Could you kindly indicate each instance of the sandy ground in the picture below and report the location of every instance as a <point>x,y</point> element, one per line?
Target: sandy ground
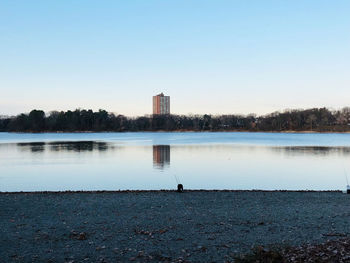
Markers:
<point>196,226</point>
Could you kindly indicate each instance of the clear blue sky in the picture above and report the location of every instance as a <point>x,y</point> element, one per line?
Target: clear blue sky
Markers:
<point>209,56</point>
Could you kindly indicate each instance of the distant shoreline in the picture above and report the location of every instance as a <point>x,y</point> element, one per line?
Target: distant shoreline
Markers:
<point>289,121</point>
<point>169,191</point>
<point>181,131</point>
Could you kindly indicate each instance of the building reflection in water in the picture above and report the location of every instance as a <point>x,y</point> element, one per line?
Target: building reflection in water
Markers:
<point>161,156</point>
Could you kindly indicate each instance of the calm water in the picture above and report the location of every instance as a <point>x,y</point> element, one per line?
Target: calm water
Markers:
<point>112,161</point>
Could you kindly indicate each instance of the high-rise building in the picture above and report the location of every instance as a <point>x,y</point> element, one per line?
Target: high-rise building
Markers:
<point>161,104</point>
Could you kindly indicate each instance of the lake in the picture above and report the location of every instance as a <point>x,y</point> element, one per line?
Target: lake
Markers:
<point>152,161</point>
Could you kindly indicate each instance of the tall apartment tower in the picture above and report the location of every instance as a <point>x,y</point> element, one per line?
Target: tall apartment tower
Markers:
<point>161,104</point>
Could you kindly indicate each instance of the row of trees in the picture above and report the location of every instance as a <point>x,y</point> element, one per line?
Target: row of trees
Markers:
<point>318,119</point>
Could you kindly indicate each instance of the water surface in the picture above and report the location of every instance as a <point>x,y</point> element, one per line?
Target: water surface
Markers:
<point>113,161</point>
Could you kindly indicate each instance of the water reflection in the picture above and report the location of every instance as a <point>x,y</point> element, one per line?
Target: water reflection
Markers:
<point>312,150</point>
<point>161,153</point>
<point>33,146</point>
<point>78,146</point>
<point>161,156</point>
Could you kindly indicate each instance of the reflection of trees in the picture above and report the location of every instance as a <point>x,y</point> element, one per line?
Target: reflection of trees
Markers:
<point>32,146</point>
<point>161,156</point>
<point>312,150</point>
<point>82,146</point>
<point>79,146</point>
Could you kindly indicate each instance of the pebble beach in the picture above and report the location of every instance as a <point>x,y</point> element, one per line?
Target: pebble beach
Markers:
<point>164,226</point>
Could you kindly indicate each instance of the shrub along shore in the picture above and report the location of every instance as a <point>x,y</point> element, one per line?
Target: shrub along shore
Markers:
<point>316,120</point>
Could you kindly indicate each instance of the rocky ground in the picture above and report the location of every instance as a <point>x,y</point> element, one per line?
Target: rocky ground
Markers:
<point>160,226</point>
<point>329,251</point>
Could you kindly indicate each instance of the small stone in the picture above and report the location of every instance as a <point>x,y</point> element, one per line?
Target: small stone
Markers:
<point>82,236</point>
<point>100,247</point>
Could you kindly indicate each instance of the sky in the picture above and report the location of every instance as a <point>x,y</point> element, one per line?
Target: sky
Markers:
<point>215,57</point>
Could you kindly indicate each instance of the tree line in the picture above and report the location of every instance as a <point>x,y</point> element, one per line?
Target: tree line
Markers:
<point>316,119</point>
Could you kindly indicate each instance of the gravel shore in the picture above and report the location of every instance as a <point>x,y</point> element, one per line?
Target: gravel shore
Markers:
<point>194,226</point>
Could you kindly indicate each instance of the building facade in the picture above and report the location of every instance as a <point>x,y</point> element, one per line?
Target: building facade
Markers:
<point>161,104</point>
